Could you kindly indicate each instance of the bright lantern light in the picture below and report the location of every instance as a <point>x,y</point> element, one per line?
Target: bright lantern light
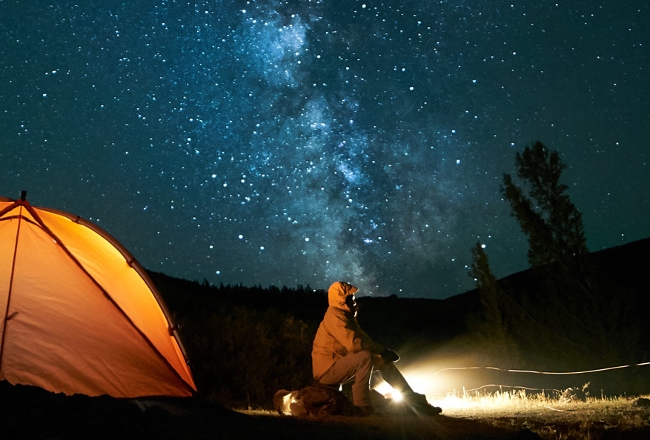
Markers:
<point>389,392</point>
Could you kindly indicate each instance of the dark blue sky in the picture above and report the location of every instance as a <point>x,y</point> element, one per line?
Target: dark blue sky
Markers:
<point>302,142</point>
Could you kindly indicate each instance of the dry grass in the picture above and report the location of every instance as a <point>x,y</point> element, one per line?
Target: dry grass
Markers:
<point>560,417</point>
<point>557,417</point>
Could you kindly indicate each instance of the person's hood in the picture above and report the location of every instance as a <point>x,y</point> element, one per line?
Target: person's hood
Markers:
<point>338,292</point>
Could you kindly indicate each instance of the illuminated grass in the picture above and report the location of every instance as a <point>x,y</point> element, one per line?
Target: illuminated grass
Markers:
<point>501,401</point>
<point>554,415</point>
<point>551,417</point>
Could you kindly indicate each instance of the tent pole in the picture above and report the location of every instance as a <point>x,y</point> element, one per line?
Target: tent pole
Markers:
<point>11,282</point>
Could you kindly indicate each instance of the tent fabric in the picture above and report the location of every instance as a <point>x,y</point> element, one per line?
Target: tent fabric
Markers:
<point>78,314</point>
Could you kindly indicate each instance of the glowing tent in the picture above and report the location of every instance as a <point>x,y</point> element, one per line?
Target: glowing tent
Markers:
<point>78,314</point>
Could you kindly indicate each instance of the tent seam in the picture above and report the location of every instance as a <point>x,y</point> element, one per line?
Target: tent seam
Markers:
<point>9,291</point>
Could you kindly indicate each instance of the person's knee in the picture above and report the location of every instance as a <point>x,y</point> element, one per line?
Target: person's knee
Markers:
<point>365,356</point>
<point>363,366</point>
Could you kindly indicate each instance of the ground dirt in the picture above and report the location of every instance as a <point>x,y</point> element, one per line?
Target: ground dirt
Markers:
<point>32,413</point>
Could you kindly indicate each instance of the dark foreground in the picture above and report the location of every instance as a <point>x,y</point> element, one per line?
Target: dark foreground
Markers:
<point>31,413</point>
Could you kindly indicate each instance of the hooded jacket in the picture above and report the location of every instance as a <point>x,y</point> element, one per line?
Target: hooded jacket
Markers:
<point>339,333</point>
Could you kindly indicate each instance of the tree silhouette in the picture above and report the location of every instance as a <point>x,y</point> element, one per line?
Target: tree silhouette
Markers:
<point>489,326</point>
<point>544,211</point>
<point>573,304</point>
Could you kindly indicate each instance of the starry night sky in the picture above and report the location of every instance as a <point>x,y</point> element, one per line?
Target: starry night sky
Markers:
<point>303,142</point>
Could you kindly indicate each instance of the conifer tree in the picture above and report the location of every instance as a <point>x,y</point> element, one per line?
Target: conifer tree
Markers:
<point>543,209</point>
<point>489,326</point>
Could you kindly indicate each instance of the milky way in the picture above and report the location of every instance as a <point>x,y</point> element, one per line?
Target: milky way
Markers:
<point>303,142</point>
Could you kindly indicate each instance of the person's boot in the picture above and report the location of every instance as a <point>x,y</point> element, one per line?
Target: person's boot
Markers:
<point>419,404</point>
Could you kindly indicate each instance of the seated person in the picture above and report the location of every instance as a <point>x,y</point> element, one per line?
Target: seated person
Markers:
<point>343,351</point>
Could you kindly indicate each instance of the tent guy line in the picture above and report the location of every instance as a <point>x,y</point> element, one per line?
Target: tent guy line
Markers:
<point>559,373</point>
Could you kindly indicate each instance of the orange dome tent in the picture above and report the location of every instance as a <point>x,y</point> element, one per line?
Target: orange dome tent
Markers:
<point>78,314</point>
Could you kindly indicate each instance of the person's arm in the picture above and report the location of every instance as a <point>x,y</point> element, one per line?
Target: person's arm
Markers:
<point>349,334</point>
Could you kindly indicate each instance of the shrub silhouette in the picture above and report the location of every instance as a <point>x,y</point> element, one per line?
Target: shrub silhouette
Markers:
<point>241,357</point>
